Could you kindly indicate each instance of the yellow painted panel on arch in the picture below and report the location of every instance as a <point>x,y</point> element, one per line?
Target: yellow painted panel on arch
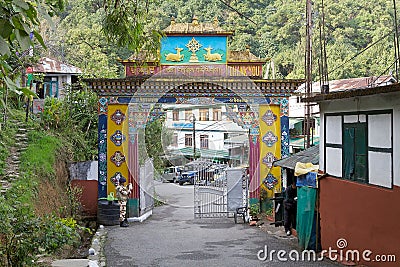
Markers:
<point>117,144</point>
<point>270,147</point>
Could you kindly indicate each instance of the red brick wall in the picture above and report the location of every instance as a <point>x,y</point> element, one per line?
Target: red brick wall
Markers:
<point>368,217</point>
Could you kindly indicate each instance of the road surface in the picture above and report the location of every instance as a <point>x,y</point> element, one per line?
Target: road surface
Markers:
<point>172,237</point>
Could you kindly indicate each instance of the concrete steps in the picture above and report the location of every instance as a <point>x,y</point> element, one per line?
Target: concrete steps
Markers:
<point>11,171</point>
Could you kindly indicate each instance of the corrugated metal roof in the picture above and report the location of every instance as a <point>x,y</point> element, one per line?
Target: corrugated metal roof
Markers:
<point>391,88</point>
<point>49,65</point>
<point>309,155</point>
<point>351,84</point>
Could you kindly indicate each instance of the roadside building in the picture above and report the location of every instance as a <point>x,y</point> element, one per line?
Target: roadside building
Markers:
<point>359,155</point>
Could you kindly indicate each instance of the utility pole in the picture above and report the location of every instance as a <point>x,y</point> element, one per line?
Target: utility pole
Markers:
<point>194,136</point>
<point>308,71</point>
<point>396,41</point>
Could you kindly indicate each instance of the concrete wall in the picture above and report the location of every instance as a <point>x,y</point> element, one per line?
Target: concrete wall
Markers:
<point>83,170</point>
<point>365,215</point>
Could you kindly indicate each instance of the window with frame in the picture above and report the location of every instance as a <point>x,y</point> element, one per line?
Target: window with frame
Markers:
<point>217,115</point>
<point>188,140</point>
<point>355,152</point>
<point>204,115</point>
<point>175,140</point>
<point>204,141</point>
<point>175,115</point>
<point>188,114</point>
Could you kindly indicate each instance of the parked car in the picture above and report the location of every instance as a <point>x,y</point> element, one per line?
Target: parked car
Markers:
<point>191,170</point>
<point>172,173</point>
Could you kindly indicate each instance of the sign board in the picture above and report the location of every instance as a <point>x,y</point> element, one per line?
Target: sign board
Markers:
<point>193,50</point>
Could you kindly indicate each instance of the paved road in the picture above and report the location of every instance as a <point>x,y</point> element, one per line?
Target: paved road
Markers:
<point>172,237</point>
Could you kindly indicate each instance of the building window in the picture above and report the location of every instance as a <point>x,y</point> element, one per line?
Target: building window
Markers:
<point>355,151</point>
<point>204,141</point>
<point>188,114</point>
<point>175,115</point>
<point>217,115</point>
<point>204,114</point>
<point>175,140</point>
<point>226,136</point>
<point>188,140</point>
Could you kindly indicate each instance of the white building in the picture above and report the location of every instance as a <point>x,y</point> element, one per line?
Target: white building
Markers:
<point>297,107</point>
<point>216,136</point>
<point>56,76</point>
<point>359,154</point>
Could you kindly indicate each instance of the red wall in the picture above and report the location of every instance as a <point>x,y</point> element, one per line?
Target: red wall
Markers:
<point>88,197</point>
<point>368,217</point>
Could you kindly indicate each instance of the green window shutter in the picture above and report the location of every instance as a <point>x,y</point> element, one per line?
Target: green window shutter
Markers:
<point>355,152</point>
<point>348,152</point>
<point>361,153</point>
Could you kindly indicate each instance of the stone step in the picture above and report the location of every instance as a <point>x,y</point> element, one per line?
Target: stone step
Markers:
<point>21,145</point>
<point>12,177</point>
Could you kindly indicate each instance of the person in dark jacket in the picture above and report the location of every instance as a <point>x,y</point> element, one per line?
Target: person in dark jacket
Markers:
<point>290,205</point>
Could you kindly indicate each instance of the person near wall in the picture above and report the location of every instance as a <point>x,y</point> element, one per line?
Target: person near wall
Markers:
<point>290,205</point>
<point>123,195</point>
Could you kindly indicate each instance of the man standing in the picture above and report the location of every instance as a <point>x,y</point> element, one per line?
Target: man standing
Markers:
<point>123,195</point>
<point>290,204</point>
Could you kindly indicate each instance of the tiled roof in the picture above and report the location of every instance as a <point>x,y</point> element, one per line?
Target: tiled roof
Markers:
<point>309,155</point>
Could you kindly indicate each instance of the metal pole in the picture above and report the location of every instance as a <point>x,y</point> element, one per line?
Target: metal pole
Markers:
<point>308,70</point>
<point>194,136</point>
<point>396,41</point>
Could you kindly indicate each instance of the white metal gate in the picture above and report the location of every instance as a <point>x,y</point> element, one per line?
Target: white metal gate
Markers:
<point>218,191</point>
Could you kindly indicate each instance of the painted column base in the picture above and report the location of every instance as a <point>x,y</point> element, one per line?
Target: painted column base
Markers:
<point>132,207</point>
<point>141,218</point>
<point>254,201</point>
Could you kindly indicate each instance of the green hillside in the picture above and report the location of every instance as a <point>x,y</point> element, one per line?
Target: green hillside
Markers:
<point>273,29</point>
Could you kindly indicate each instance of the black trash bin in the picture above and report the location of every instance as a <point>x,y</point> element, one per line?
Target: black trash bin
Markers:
<point>108,212</point>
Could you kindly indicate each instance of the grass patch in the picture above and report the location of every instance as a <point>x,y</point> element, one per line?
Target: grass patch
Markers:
<point>40,156</point>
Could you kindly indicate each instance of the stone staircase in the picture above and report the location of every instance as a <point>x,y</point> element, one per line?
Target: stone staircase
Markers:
<point>11,171</point>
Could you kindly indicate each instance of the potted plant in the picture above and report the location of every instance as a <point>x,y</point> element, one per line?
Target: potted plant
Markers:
<point>254,211</point>
<point>264,200</point>
<point>270,214</point>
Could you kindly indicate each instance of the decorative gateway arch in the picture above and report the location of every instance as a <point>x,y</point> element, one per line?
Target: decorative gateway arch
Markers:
<point>194,67</point>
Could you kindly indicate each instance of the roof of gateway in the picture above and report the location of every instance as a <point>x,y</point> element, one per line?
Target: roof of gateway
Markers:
<point>195,27</point>
<point>244,56</point>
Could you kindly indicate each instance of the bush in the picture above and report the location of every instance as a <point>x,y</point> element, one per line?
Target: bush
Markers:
<point>23,235</point>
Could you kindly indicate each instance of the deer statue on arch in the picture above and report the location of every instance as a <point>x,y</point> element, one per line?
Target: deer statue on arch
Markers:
<point>175,57</point>
<point>212,57</point>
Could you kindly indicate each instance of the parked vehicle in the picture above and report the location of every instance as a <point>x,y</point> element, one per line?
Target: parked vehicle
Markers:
<point>172,173</point>
<point>191,170</point>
